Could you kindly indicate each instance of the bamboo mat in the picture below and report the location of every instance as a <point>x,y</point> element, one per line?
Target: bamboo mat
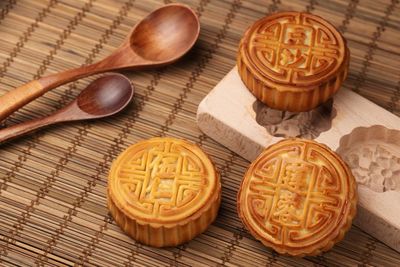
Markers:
<point>53,183</point>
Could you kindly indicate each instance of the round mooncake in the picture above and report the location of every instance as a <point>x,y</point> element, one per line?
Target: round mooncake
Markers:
<point>298,197</point>
<point>293,61</point>
<point>163,191</point>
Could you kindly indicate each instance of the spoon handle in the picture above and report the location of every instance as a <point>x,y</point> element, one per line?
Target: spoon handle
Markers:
<point>17,98</point>
<point>25,127</point>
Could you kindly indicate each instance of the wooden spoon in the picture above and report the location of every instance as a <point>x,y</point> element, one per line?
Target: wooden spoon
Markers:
<point>103,97</point>
<point>161,38</point>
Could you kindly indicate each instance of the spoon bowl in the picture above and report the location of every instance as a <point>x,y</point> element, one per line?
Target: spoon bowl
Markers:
<point>166,34</point>
<point>103,97</point>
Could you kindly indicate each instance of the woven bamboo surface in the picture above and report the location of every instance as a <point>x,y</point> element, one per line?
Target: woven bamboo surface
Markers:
<point>53,183</point>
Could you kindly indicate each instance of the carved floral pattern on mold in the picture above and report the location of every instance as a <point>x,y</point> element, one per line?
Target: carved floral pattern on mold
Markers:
<point>308,125</point>
<point>375,166</point>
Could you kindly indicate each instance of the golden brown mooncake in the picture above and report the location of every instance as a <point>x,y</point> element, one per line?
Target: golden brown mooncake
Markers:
<point>298,197</point>
<point>293,61</point>
<point>163,191</point>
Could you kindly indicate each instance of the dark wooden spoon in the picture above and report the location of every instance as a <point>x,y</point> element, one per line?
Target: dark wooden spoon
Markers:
<point>103,97</point>
<point>161,38</point>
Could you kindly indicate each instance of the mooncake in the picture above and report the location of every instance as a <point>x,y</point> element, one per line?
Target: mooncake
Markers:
<point>293,61</point>
<point>163,191</point>
<point>298,197</point>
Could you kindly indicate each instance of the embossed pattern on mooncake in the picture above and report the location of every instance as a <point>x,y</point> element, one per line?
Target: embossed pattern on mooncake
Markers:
<point>293,61</point>
<point>163,183</point>
<point>298,197</point>
<point>296,48</point>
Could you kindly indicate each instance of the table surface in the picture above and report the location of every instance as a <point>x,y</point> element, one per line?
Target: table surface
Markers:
<point>53,182</point>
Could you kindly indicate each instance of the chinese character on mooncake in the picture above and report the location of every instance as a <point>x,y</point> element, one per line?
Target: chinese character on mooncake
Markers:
<point>163,191</point>
<point>293,61</point>
<point>298,197</point>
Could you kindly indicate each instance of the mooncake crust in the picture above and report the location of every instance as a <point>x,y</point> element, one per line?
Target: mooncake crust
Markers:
<point>293,61</point>
<point>298,218</point>
<point>163,191</point>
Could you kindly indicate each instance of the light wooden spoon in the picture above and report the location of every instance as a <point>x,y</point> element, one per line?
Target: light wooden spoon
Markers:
<point>103,97</point>
<point>161,38</point>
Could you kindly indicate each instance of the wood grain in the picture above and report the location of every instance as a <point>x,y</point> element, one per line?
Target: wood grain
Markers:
<point>19,97</point>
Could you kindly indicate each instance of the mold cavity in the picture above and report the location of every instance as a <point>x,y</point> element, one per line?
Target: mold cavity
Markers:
<point>307,125</point>
<point>373,154</point>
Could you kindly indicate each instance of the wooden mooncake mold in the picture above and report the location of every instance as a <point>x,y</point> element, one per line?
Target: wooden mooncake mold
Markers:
<point>163,191</point>
<point>293,61</point>
<point>298,197</point>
